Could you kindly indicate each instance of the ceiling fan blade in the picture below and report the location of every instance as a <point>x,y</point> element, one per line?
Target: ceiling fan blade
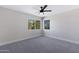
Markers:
<point>44,7</point>
<point>35,9</point>
<point>47,10</point>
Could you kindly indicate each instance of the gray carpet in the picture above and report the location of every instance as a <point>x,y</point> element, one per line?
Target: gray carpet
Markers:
<point>40,45</point>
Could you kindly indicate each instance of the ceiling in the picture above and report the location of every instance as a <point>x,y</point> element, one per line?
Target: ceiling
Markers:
<point>33,9</point>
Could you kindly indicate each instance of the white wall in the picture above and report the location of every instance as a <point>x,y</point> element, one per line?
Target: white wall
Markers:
<point>64,26</point>
<point>14,26</point>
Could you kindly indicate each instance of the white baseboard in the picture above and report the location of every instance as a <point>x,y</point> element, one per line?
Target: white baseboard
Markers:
<point>17,40</point>
<point>59,38</point>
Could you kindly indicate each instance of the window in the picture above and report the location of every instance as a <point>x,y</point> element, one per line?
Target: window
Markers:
<point>46,24</point>
<point>33,24</point>
<point>37,24</point>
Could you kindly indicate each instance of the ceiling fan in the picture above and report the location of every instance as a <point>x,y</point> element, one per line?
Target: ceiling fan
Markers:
<point>43,9</point>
